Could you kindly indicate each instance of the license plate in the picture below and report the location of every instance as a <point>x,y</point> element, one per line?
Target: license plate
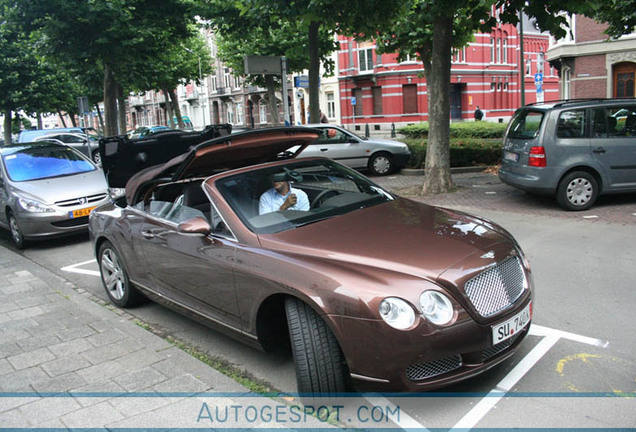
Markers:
<point>511,327</point>
<point>511,156</point>
<point>80,212</point>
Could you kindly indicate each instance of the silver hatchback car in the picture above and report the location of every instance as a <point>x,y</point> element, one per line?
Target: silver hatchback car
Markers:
<point>379,156</point>
<point>46,190</point>
<point>575,150</point>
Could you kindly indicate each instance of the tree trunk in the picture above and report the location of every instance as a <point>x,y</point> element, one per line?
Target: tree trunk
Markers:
<point>271,96</point>
<point>110,102</point>
<point>121,109</point>
<point>314,73</point>
<point>174,106</point>
<point>7,126</point>
<point>437,177</point>
<point>59,113</point>
<point>99,115</point>
<point>39,119</point>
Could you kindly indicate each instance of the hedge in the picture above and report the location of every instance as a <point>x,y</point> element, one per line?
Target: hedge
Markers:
<point>481,129</point>
<point>463,152</point>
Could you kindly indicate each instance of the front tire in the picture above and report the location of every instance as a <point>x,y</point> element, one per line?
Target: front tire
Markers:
<point>115,278</point>
<point>577,191</point>
<point>16,233</point>
<point>381,164</point>
<point>320,365</point>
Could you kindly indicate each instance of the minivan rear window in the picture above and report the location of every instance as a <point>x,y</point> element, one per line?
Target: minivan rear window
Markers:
<point>525,124</point>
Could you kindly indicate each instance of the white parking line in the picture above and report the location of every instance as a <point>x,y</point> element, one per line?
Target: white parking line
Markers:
<point>538,330</point>
<point>74,268</point>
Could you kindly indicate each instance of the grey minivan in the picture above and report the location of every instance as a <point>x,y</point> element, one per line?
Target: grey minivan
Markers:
<point>575,150</point>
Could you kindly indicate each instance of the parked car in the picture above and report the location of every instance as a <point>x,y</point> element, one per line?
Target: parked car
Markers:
<point>368,287</point>
<point>144,131</point>
<point>46,190</point>
<point>86,144</point>
<point>379,156</point>
<point>30,135</point>
<point>574,150</point>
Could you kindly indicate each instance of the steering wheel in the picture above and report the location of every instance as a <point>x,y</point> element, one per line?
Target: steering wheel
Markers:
<point>322,196</point>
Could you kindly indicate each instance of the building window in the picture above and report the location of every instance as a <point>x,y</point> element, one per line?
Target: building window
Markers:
<point>331,105</point>
<point>505,50</point>
<point>528,67</point>
<point>357,93</point>
<point>624,80</point>
<point>214,84</point>
<point>409,98</point>
<point>239,113</point>
<point>237,82</point>
<point>230,113</point>
<point>365,59</point>
<point>492,50</point>
<point>262,112</point>
<point>227,80</point>
<point>566,84</point>
<point>377,100</point>
<point>459,55</point>
<point>498,50</point>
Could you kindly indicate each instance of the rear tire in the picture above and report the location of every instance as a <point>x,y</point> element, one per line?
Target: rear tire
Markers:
<point>320,364</point>
<point>577,191</point>
<point>115,278</point>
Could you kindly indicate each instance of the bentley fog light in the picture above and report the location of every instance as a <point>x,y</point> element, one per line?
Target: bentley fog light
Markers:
<point>436,307</point>
<point>34,206</point>
<point>397,313</point>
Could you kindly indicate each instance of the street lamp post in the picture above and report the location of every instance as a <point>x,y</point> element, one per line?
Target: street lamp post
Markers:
<point>203,93</point>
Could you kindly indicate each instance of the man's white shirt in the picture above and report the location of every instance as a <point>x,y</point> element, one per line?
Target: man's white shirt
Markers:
<point>271,201</point>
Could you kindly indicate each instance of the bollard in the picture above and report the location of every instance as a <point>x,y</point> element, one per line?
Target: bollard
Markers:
<point>366,131</point>
<point>392,130</point>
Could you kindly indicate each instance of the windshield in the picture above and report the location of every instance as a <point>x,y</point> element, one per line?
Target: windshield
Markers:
<point>322,189</point>
<point>38,163</point>
<point>525,124</point>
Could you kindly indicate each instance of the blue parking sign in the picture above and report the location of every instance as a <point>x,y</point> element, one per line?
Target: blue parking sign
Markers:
<point>538,78</point>
<point>353,100</point>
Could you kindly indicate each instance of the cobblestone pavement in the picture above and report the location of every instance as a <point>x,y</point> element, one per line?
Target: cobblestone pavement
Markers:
<point>484,190</point>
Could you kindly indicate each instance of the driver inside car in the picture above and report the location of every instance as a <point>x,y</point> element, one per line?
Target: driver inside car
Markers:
<point>282,196</point>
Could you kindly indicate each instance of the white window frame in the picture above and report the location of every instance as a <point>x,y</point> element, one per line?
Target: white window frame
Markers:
<point>239,113</point>
<point>214,84</point>
<point>262,112</point>
<point>331,105</point>
<point>229,108</point>
<point>365,59</point>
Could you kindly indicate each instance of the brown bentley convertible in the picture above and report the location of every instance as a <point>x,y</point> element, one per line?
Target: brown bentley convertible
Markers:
<point>372,290</point>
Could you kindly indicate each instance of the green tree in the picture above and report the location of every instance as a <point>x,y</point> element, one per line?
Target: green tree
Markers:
<point>430,30</point>
<point>118,35</point>
<point>314,16</point>
<point>253,35</point>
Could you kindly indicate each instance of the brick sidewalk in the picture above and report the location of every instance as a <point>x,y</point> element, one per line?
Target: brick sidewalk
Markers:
<point>68,362</point>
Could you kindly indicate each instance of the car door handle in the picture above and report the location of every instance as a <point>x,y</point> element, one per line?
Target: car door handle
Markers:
<point>599,150</point>
<point>147,234</point>
<point>323,149</point>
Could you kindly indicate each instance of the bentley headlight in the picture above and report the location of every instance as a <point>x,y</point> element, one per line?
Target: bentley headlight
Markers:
<point>436,307</point>
<point>397,313</point>
<point>34,206</point>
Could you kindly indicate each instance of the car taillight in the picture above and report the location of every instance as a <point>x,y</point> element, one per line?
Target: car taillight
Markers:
<point>537,157</point>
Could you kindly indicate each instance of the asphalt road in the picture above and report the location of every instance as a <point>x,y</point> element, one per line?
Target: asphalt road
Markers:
<point>582,347</point>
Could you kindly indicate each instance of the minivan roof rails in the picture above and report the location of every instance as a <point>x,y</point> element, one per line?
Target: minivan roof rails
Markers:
<point>564,102</point>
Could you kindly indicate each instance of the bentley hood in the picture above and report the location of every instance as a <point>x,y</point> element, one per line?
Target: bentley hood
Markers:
<point>400,236</point>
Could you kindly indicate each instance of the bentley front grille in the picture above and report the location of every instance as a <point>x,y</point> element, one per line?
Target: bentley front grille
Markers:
<point>497,288</point>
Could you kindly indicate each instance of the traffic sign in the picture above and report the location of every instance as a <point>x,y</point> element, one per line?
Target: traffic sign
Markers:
<point>353,100</point>
<point>538,78</point>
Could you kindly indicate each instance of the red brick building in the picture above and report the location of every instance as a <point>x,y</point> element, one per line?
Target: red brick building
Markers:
<point>485,73</point>
<point>592,66</point>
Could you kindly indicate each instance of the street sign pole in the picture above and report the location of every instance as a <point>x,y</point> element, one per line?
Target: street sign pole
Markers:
<point>283,63</point>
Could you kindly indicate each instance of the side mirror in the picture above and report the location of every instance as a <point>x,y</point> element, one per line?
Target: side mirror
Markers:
<point>197,225</point>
